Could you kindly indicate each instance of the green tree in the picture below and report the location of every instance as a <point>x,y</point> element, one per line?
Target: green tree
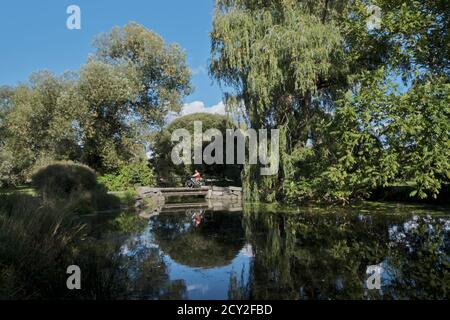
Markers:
<point>286,59</point>
<point>99,104</point>
<point>398,135</point>
<point>33,123</point>
<point>161,70</point>
<point>101,115</point>
<point>7,174</point>
<point>420,135</point>
<point>317,71</point>
<point>419,35</point>
<point>162,147</point>
<point>123,93</point>
<point>6,94</point>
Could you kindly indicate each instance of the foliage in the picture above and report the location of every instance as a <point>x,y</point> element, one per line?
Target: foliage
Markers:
<point>317,72</point>
<point>358,107</point>
<point>7,175</point>
<point>39,242</point>
<point>161,70</point>
<point>418,33</point>
<point>62,182</point>
<point>5,107</point>
<point>130,85</point>
<point>99,104</point>
<point>32,119</point>
<point>128,177</point>
<point>61,179</point>
<point>102,115</point>
<point>422,136</point>
<point>162,147</point>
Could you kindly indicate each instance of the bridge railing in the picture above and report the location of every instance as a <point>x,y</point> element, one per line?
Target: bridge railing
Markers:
<point>177,181</point>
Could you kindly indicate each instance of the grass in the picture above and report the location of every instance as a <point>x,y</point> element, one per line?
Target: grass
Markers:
<point>23,189</point>
<point>39,241</point>
<point>127,198</point>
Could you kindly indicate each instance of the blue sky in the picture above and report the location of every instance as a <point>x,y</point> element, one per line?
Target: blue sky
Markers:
<point>34,36</point>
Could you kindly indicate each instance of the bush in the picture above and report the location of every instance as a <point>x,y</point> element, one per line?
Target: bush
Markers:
<point>72,183</point>
<point>7,175</point>
<point>129,177</point>
<point>62,179</point>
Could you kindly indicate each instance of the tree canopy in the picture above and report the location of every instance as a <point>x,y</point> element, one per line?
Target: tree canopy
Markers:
<point>101,115</point>
<point>162,147</point>
<point>348,98</point>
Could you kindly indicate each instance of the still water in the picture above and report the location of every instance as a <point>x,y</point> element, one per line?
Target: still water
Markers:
<point>204,251</point>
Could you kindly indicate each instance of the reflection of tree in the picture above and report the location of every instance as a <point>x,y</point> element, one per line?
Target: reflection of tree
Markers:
<point>149,278</point>
<point>311,256</point>
<point>143,273</point>
<point>114,224</point>
<point>421,258</point>
<point>215,242</point>
<point>321,256</point>
<point>303,255</point>
<point>237,289</point>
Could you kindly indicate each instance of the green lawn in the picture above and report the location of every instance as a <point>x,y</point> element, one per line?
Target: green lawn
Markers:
<point>127,198</point>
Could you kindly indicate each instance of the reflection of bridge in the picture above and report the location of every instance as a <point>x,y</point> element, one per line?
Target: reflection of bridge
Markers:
<point>209,192</point>
<point>152,201</point>
<point>173,192</point>
<point>210,205</point>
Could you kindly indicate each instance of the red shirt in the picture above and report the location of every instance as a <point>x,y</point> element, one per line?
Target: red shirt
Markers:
<point>197,176</point>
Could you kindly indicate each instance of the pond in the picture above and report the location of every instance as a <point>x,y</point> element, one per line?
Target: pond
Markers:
<point>223,251</point>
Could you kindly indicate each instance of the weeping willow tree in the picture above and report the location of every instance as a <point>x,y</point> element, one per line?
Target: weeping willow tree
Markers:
<point>324,73</point>
<point>287,60</point>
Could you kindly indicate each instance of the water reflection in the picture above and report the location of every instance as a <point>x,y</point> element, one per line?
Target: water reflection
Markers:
<point>260,253</point>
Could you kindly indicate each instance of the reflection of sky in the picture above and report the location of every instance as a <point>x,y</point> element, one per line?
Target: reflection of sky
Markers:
<point>201,283</point>
<point>214,282</point>
<point>403,233</point>
<point>211,283</point>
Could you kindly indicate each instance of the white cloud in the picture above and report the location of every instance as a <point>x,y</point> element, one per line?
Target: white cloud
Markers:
<point>196,107</point>
<point>199,106</point>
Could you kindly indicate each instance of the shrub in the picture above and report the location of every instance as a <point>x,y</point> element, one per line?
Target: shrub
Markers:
<point>129,177</point>
<point>7,175</point>
<point>75,184</point>
<point>62,179</point>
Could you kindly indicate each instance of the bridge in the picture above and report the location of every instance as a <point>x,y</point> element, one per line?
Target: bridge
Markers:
<point>190,208</point>
<point>209,192</point>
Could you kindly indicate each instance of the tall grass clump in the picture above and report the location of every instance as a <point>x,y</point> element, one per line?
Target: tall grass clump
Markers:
<point>37,244</point>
